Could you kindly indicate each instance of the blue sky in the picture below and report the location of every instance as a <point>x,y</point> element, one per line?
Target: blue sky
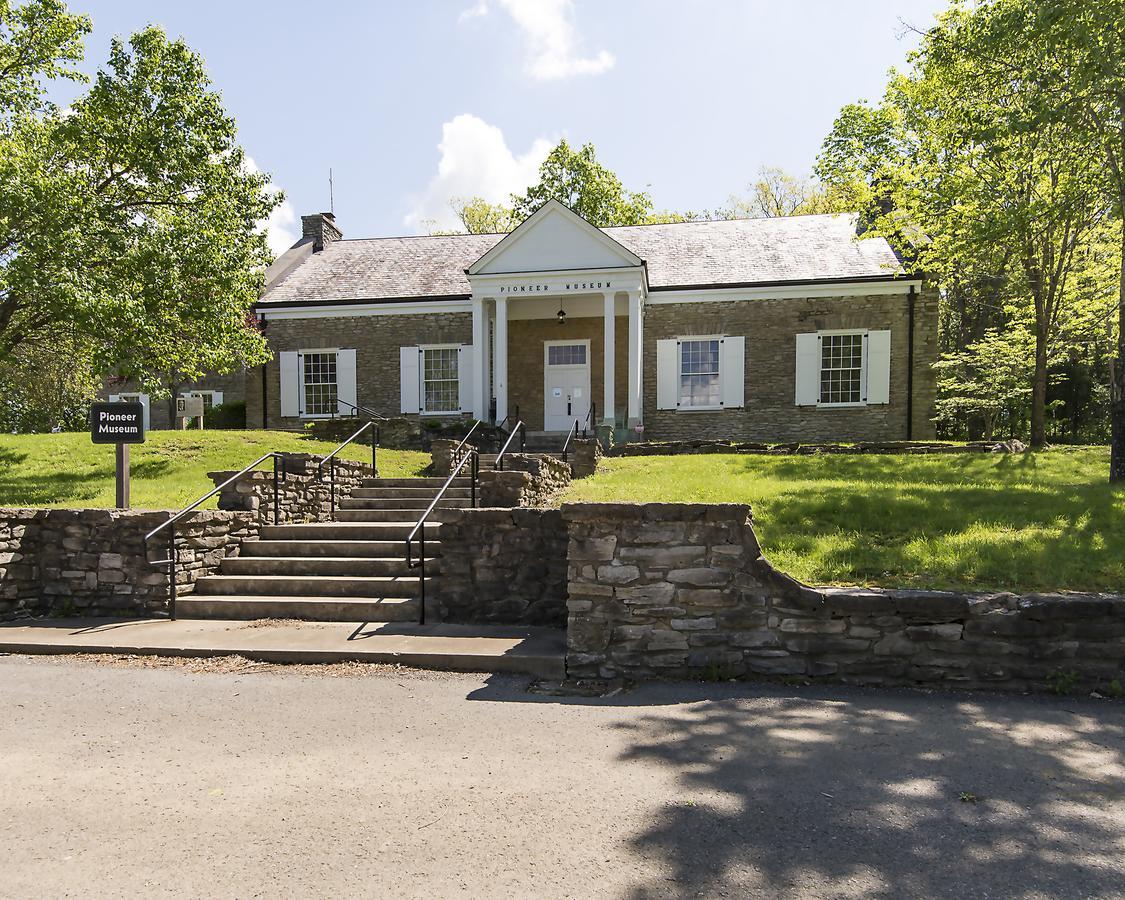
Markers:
<point>413,102</point>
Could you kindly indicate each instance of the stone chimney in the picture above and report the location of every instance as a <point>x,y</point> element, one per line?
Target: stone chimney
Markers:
<point>321,227</point>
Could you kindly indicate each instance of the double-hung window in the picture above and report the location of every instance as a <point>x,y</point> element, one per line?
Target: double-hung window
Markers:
<point>699,373</point>
<point>841,368</point>
<point>440,380</point>
<point>318,382</point>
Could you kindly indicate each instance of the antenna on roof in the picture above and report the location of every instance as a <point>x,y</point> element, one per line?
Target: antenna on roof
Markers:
<point>331,196</point>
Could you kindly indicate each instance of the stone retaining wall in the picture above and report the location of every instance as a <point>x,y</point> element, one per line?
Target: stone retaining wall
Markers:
<point>681,448</point>
<point>302,496</point>
<point>682,590</point>
<point>528,479</point>
<point>584,456</point>
<point>92,562</point>
<point>502,566</point>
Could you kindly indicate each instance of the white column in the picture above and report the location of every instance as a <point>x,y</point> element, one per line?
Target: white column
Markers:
<point>636,341</point>
<point>610,362</point>
<point>500,365</point>
<point>480,369</point>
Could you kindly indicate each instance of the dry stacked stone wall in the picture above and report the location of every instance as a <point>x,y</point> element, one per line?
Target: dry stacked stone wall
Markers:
<point>527,479</point>
<point>687,448</point>
<point>503,566</point>
<point>303,495</point>
<point>682,590</point>
<point>93,562</point>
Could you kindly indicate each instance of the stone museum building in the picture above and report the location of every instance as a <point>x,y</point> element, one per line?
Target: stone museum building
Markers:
<point>785,329</point>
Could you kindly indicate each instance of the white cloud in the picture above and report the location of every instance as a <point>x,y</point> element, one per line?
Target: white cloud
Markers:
<point>475,162</point>
<point>281,226</point>
<point>550,37</point>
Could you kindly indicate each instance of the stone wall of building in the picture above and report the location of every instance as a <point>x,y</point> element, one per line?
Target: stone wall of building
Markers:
<point>682,590</point>
<point>770,327</point>
<point>304,495</point>
<point>93,562</point>
<point>502,566</point>
<point>162,412</point>
<point>376,340</point>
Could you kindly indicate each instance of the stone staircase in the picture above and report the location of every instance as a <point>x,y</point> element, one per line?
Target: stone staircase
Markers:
<point>548,443</point>
<point>350,570</point>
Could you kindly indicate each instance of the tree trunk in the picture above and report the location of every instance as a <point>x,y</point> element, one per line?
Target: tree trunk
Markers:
<point>1117,389</point>
<point>1039,390</point>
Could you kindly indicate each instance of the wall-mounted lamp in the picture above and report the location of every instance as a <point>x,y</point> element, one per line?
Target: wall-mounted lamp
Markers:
<point>562,316</point>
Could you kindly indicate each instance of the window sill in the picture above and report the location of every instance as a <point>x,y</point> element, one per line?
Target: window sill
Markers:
<point>700,408</point>
<point>858,405</point>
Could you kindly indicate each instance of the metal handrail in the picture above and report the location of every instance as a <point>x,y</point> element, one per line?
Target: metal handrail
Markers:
<point>573,433</point>
<point>170,523</point>
<point>512,415</point>
<point>522,431</point>
<point>366,410</point>
<point>331,460</point>
<point>591,419</point>
<point>457,450</point>
<point>474,474</point>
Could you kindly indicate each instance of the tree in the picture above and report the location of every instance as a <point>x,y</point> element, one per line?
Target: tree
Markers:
<point>972,202</point>
<point>576,179</point>
<point>776,193</point>
<point>132,221</point>
<point>478,216</point>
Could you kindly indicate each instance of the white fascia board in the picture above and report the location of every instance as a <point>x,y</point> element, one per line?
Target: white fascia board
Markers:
<point>842,289</point>
<point>558,282</point>
<point>297,311</point>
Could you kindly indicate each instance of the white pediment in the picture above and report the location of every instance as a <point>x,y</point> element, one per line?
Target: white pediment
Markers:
<point>554,238</point>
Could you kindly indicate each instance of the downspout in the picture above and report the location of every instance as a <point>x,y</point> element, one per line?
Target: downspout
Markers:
<point>265,374</point>
<point>910,366</point>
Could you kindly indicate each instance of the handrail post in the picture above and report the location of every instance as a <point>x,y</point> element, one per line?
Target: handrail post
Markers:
<point>474,473</point>
<point>172,571</point>
<point>374,447</point>
<point>332,484</point>
<point>276,504</point>
<point>422,581</point>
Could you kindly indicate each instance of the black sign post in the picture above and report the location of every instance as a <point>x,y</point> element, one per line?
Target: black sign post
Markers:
<point>121,424</point>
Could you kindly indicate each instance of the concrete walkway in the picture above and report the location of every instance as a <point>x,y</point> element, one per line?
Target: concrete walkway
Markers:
<point>536,651</point>
<point>261,781</point>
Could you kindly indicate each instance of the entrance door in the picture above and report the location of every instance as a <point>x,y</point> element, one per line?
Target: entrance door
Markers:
<point>566,387</point>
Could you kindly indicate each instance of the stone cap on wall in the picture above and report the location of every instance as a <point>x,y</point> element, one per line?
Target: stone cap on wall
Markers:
<point>656,512</point>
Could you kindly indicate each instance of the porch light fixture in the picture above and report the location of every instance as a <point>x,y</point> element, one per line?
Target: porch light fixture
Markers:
<point>562,316</point>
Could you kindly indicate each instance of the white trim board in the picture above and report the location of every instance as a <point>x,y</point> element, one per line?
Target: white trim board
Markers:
<point>851,289</point>
<point>366,309</point>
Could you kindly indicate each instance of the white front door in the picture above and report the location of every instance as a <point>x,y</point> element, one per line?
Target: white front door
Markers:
<point>566,387</point>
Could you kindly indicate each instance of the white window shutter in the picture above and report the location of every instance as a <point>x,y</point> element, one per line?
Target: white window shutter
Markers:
<point>808,369</point>
<point>878,367</point>
<point>667,374</point>
<point>465,373</point>
<point>408,375</point>
<point>144,402</point>
<point>216,398</point>
<point>288,362</point>
<point>345,383</point>
<point>732,371</point>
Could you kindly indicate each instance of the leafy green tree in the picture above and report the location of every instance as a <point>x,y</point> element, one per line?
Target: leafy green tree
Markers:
<point>132,221</point>
<point>576,179</point>
<point>47,385</point>
<point>776,193</point>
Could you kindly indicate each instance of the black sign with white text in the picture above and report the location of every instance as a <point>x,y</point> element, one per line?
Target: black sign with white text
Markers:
<point>117,423</point>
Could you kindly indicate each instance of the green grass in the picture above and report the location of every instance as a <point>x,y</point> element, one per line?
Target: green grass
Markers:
<point>1033,521</point>
<point>169,470</point>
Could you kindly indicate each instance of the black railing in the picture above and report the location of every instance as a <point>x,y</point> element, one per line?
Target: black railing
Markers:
<point>522,432</point>
<point>359,410</point>
<point>331,460</point>
<point>591,420</point>
<point>419,531</point>
<point>570,435</point>
<point>513,416</point>
<point>457,451</point>
<point>170,524</point>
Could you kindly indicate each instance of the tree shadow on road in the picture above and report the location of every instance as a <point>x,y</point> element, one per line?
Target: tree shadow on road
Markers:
<point>885,794</point>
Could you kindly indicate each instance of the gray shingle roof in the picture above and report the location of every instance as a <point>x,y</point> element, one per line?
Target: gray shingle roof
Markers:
<point>739,252</point>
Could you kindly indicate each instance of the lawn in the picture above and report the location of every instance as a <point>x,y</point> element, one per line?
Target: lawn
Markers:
<point>1033,521</point>
<point>169,470</point>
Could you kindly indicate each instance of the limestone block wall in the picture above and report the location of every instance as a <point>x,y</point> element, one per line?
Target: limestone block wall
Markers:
<point>528,479</point>
<point>302,495</point>
<point>584,455</point>
<point>92,562</point>
<point>502,566</point>
<point>682,590</point>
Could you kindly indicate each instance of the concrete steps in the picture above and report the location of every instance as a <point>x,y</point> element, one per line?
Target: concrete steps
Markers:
<point>352,569</point>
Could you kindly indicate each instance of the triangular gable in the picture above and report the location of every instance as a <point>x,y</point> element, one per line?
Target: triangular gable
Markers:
<point>554,238</point>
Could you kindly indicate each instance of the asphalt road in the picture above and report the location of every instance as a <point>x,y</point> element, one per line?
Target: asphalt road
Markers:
<point>259,782</point>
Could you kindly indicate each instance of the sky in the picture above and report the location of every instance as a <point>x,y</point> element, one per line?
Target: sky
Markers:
<point>413,102</point>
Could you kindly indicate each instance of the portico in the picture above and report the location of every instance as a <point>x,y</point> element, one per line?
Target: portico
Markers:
<point>559,289</point>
